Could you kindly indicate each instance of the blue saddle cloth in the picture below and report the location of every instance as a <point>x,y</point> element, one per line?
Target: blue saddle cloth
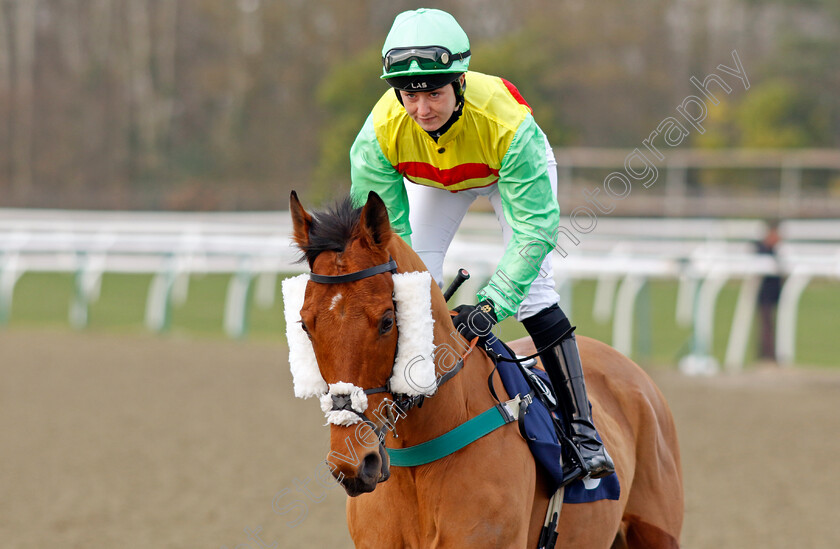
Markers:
<point>543,441</point>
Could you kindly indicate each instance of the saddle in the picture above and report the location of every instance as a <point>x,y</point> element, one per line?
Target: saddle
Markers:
<point>543,429</point>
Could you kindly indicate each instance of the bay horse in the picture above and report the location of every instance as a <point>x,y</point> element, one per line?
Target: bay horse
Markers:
<point>490,493</point>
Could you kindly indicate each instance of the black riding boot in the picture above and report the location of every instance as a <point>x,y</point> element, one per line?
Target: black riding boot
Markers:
<point>562,364</point>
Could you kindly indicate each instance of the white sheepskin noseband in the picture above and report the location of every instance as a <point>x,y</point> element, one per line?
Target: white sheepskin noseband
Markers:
<point>358,400</point>
<point>414,368</point>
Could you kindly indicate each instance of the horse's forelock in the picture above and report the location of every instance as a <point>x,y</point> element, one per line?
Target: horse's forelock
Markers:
<point>332,229</point>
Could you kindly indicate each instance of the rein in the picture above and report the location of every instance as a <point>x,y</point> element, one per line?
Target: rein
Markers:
<point>524,359</point>
<point>402,402</point>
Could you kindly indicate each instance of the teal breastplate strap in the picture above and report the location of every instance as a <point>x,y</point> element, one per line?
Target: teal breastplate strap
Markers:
<point>459,437</point>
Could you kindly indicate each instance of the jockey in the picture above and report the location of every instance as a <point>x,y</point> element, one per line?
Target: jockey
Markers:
<point>453,136</point>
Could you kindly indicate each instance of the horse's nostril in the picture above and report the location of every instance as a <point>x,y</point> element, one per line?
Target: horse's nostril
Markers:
<point>371,465</point>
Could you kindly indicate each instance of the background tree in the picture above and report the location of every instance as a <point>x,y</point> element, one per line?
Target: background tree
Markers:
<point>228,104</point>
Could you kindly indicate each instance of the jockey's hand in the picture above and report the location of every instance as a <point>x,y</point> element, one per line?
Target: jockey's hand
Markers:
<point>475,320</point>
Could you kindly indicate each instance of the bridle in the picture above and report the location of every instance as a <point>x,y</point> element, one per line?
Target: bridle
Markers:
<point>402,402</point>
<point>342,397</point>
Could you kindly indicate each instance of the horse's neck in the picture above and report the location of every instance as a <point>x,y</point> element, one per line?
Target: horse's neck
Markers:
<point>464,395</point>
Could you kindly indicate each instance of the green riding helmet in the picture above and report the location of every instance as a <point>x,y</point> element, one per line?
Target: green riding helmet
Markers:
<point>425,49</point>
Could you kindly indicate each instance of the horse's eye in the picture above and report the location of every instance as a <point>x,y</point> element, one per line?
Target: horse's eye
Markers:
<point>387,323</point>
<point>305,329</point>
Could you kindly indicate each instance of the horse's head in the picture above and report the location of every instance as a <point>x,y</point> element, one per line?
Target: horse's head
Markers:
<point>343,348</point>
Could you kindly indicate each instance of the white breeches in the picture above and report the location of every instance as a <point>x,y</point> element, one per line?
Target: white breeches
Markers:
<point>435,215</point>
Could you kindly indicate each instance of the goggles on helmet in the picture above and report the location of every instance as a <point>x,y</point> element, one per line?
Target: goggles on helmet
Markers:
<point>429,58</point>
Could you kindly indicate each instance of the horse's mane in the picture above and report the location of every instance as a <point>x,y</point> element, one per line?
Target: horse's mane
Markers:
<point>331,229</point>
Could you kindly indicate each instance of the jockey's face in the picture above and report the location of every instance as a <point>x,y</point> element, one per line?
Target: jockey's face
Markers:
<point>430,109</point>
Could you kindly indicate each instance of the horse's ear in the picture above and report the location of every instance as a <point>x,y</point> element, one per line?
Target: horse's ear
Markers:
<point>374,225</point>
<point>301,221</point>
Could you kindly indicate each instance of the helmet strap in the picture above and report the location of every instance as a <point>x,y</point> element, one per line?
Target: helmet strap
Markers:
<point>459,94</point>
<point>459,89</point>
